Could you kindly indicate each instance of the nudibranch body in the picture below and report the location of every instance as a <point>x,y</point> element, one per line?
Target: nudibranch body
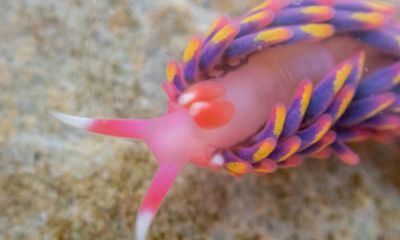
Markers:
<point>287,80</point>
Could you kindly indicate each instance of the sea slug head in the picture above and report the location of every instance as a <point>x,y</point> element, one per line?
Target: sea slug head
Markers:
<point>184,134</point>
<point>180,136</point>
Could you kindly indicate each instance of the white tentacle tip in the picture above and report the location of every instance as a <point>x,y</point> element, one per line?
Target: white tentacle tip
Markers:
<point>143,222</point>
<point>78,122</point>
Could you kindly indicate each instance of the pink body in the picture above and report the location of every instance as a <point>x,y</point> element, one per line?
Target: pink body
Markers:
<point>253,89</point>
<point>175,138</point>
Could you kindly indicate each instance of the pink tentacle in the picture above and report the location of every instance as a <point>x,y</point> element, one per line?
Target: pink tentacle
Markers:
<point>161,183</point>
<point>126,128</point>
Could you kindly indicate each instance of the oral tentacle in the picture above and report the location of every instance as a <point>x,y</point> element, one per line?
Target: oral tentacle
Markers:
<point>161,183</point>
<point>126,128</point>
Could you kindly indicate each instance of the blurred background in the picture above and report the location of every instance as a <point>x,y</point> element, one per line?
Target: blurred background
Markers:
<point>107,59</point>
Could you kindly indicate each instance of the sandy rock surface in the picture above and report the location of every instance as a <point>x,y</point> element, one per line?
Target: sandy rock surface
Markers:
<point>106,59</point>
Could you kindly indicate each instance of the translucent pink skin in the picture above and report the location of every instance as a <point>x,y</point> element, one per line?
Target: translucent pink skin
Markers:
<point>265,80</point>
<point>262,82</point>
<point>269,77</point>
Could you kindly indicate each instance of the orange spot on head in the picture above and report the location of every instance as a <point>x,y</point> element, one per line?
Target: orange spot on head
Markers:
<point>212,114</point>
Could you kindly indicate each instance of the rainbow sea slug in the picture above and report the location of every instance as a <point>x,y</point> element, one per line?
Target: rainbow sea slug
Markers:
<point>285,81</point>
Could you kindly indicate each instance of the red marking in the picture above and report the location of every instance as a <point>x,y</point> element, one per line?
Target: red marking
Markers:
<point>212,114</point>
<point>205,91</point>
